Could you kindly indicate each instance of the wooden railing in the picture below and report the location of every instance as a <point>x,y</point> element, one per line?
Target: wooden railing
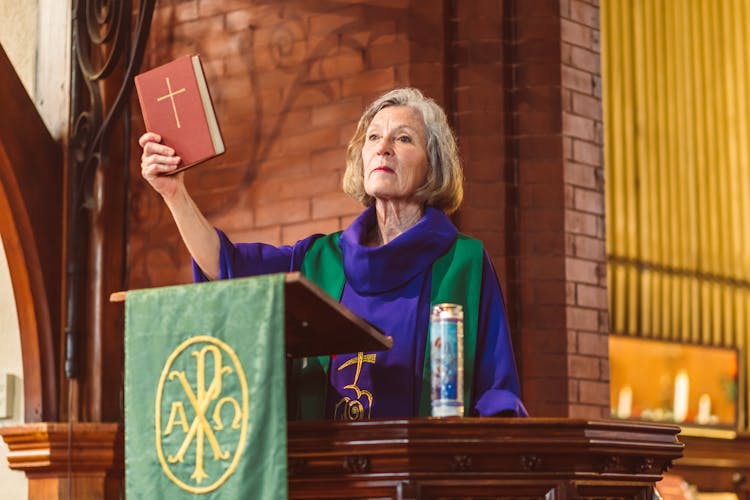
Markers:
<point>717,464</point>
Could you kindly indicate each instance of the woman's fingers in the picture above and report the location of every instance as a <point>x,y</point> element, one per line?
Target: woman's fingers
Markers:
<point>154,148</point>
<point>161,164</point>
<point>148,137</point>
<point>156,158</point>
<point>173,162</point>
<point>159,159</point>
<point>156,170</point>
<point>157,162</point>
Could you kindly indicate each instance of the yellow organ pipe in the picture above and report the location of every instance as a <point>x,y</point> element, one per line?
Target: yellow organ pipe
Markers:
<point>676,79</point>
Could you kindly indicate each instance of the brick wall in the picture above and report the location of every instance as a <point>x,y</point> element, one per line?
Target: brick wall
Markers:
<point>558,145</point>
<point>585,252</point>
<point>554,204</point>
<point>537,151</point>
<point>289,81</point>
<point>477,75</point>
<point>520,83</point>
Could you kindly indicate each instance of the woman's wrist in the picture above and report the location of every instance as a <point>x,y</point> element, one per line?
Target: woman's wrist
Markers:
<point>177,196</point>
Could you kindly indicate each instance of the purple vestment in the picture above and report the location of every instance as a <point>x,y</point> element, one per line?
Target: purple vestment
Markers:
<point>389,286</point>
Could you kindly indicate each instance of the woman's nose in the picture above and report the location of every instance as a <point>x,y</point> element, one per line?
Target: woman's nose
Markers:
<point>384,147</point>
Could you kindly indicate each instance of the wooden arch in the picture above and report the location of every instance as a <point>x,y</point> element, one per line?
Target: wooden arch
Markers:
<point>31,227</point>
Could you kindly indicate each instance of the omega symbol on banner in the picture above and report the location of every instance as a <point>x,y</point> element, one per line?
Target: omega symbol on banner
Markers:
<point>201,416</point>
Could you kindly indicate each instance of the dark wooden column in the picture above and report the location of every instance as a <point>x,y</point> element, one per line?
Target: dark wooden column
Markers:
<point>106,56</point>
<point>95,211</point>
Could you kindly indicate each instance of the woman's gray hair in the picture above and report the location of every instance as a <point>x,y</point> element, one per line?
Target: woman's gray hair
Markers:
<point>444,186</point>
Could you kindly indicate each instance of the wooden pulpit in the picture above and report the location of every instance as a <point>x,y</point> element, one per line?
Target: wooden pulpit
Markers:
<point>479,458</point>
<point>412,458</point>
<point>205,402</point>
<point>315,324</point>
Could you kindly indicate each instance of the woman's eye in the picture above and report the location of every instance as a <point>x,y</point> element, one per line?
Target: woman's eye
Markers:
<point>404,138</point>
<point>372,137</point>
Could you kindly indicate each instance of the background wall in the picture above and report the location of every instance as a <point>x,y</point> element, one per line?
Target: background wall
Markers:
<point>520,82</point>
<point>18,32</point>
<point>289,81</point>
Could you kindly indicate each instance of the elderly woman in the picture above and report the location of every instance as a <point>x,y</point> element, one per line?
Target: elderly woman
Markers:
<point>401,255</point>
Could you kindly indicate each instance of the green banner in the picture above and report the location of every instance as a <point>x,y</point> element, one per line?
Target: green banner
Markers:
<point>205,404</point>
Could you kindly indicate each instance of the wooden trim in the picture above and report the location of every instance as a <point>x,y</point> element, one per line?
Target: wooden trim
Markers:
<point>67,460</point>
<point>42,448</point>
<point>31,229</point>
<point>717,465</point>
<point>479,456</point>
<point>391,458</point>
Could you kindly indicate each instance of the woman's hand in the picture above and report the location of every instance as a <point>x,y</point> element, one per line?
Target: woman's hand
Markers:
<point>158,160</point>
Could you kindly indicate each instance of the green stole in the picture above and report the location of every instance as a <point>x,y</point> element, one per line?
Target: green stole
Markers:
<point>456,279</point>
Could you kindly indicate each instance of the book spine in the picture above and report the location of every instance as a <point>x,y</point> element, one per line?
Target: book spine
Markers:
<point>138,91</point>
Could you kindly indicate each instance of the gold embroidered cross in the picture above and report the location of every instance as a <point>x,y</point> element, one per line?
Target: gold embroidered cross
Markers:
<point>170,95</point>
<point>361,358</point>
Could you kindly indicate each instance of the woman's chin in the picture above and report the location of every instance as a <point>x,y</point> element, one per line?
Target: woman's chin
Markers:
<point>395,200</point>
<point>381,193</point>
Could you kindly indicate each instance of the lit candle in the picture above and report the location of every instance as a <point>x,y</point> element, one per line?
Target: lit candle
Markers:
<point>681,392</point>
<point>704,409</point>
<point>625,402</point>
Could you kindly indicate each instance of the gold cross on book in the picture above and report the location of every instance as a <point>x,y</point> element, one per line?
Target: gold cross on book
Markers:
<point>170,95</point>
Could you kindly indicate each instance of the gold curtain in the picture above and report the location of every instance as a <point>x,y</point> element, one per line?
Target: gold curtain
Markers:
<point>676,80</point>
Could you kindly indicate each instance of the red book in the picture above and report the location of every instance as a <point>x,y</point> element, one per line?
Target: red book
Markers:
<point>176,105</point>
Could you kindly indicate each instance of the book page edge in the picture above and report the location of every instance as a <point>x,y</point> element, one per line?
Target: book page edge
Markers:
<point>213,125</point>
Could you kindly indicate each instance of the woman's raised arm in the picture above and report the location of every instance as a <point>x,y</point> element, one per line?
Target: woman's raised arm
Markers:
<point>197,233</point>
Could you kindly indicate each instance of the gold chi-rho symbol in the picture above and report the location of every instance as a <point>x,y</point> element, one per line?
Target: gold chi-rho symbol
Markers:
<point>201,416</point>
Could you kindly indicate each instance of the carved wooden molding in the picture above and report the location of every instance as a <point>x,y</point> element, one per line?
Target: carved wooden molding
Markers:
<point>357,464</point>
<point>57,448</point>
<point>497,456</point>
<point>610,464</point>
<point>530,463</point>
<point>646,464</point>
<point>461,463</point>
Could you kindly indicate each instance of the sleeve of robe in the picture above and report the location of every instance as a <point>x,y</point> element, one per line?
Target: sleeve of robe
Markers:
<point>497,387</point>
<point>239,260</point>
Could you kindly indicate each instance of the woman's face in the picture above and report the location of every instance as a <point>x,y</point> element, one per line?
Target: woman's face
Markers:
<point>394,154</point>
